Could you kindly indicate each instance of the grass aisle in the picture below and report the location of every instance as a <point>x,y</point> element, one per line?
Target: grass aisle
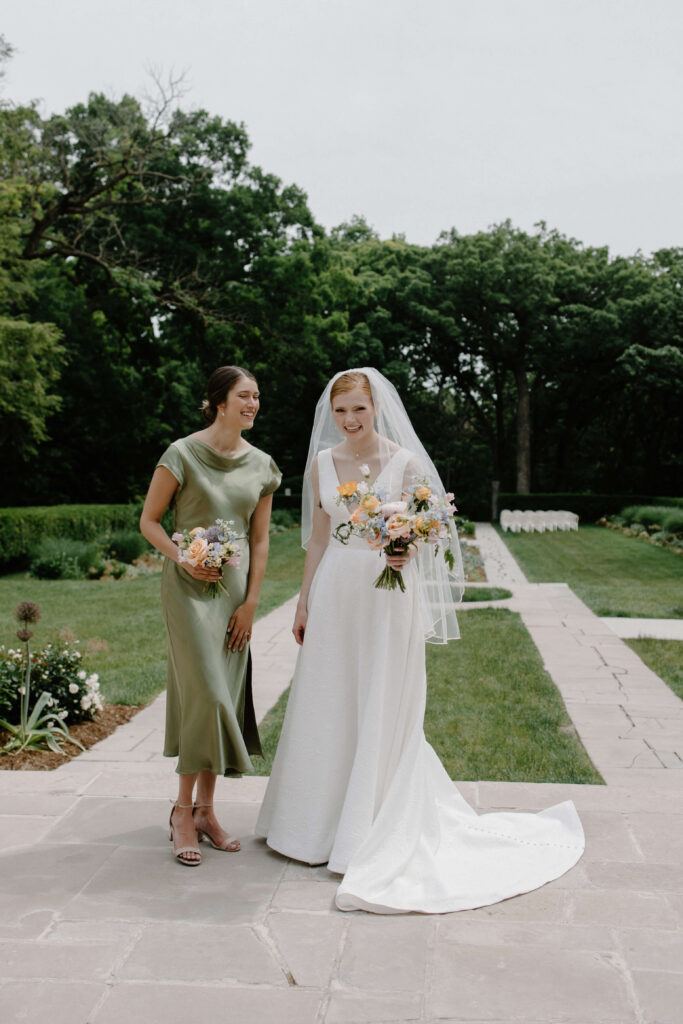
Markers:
<point>122,620</point>
<point>493,712</point>
<point>614,575</point>
<point>665,658</point>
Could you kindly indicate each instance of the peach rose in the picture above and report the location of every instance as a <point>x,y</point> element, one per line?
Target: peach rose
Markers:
<point>358,516</point>
<point>399,526</point>
<point>375,542</point>
<point>422,492</point>
<point>198,531</point>
<point>369,503</point>
<point>197,551</point>
<point>347,489</point>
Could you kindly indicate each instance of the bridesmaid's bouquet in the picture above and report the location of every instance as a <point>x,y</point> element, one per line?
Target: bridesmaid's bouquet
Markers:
<point>421,517</point>
<point>212,547</point>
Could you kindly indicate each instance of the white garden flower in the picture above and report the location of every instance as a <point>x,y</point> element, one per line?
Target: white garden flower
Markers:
<point>73,687</point>
<point>62,715</point>
<point>82,675</point>
<point>86,702</point>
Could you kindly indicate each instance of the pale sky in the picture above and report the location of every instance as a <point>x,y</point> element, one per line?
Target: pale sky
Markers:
<point>422,115</point>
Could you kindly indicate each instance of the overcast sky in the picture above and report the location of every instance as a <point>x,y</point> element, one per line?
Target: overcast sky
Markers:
<point>421,115</point>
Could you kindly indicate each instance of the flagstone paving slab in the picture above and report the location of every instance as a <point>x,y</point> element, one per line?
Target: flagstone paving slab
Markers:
<point>572,986</point>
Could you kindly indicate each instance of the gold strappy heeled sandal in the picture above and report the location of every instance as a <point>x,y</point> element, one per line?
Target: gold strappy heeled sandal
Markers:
<point>181,852</point>
<point>229,845</point>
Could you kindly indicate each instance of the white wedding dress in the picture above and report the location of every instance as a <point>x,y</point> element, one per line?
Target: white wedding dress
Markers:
<point>356,786</point>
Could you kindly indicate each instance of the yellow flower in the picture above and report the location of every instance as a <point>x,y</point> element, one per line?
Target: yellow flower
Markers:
<point>422,492</point>
<point>369,503</point>
<point>348,488</point>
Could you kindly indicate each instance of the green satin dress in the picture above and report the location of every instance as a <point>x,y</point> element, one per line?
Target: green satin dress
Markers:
<point>210,721</point>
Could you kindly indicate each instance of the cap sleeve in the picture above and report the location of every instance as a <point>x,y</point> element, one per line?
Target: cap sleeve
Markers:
<point>272,479</point>
<point>172,461</point>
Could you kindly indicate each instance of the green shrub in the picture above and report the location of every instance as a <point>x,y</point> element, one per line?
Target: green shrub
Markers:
<point>284,518</point>
<point>123,545</point>
<point>465,526</point>
<point>22,528</point>
<point>672,521</point>
<point>61,558</point>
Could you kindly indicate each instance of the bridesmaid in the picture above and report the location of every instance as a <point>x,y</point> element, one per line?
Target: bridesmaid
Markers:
<point>210,723</point>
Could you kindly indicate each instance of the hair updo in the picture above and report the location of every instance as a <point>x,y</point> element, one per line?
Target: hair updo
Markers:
<point>221,383</point>
<point>348,382</point>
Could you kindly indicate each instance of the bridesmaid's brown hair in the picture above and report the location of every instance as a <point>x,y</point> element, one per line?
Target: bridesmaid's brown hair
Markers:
<point>221,383</point>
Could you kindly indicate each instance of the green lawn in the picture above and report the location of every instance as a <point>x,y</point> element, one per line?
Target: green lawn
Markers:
<point>613,574</point>
<point>492,710</point>
<point>665,658</point>
<point>124,618</point>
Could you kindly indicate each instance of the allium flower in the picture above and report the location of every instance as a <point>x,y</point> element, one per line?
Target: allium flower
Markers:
<point>28,612</point>
<point>24,634</point>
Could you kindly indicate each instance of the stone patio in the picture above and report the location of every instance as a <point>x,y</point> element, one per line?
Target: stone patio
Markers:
<point>98,923</point>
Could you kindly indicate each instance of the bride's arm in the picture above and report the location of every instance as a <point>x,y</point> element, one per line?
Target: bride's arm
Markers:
<point>320,536</point>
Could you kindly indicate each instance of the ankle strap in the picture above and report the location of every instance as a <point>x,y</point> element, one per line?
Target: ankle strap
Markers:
<point>184,806</point>
<point>203,805</point>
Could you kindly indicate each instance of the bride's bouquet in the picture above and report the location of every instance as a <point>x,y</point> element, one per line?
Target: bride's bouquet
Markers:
<point>421,517</point>
<point>211,547</point>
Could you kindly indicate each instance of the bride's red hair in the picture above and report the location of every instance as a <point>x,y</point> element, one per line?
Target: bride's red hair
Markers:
<point>348,382</point>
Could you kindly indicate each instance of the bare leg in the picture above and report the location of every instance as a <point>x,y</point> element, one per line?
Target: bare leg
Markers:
<point>204,817</point>
<point>182,824</point>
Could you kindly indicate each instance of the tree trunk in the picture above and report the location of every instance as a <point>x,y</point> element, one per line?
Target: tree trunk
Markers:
<point>523,431</point>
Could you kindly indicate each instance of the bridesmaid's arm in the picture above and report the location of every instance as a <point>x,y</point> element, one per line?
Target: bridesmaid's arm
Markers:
<point>242,619</point>
<point>320,538</point>
<point>159,497</point>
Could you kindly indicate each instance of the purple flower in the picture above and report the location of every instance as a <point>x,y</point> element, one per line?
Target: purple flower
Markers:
<point>27,612</point>
<point>213,534</point>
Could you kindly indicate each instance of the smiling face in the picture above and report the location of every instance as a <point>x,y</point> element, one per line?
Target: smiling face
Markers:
<point>354,414</point>
<point>241,405</point>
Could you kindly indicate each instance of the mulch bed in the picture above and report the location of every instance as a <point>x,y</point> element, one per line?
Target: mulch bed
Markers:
<point>87,733</point>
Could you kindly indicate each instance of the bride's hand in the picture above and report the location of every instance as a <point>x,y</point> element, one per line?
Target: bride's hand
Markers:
<point>401,561</point>
<point>299,627</point>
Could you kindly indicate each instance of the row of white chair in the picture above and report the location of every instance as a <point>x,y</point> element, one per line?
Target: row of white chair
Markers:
<point>515,521</point>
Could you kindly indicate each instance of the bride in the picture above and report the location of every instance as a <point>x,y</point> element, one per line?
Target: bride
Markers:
<point>355,785</point>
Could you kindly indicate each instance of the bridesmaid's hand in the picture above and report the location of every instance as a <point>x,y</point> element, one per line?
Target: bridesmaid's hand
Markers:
<point>239,627</point>
<point>200,572</point>
<point>299,627</point>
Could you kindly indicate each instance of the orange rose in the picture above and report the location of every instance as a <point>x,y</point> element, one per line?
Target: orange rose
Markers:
<point>196,552</point>
<point>347,489</point>
<point>422,492</point>
<point>358,516</point>
<point>369,503</point>
<point>399,526</point>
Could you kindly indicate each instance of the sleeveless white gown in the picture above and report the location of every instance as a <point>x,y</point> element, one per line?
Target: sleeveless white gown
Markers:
<point>356,786</point>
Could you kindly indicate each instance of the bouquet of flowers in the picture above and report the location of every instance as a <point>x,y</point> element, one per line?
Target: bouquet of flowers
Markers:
<point>211,547</point>
<point>421,517</point>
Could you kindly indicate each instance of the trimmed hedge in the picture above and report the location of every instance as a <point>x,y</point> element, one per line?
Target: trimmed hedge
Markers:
<point>588,507</point>
<point>22,528</point>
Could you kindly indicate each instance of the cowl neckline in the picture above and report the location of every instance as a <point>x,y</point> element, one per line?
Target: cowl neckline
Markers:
<point>210,457</point>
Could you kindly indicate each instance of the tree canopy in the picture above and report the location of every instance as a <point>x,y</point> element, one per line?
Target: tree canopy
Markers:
<point>141,249</point>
